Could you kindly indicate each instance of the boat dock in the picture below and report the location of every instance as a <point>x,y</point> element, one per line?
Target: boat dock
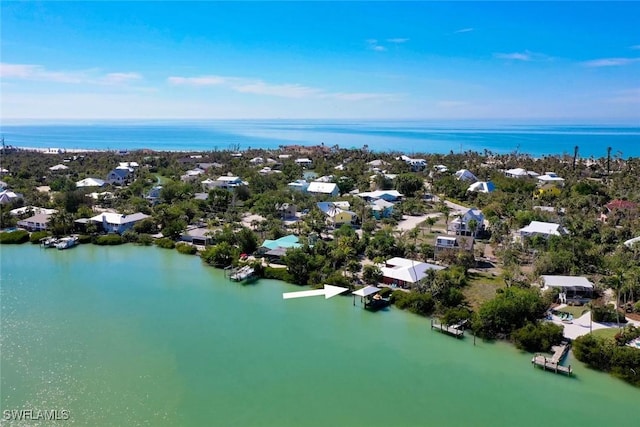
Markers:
<point>453,330</point>
<point>553,363</point>
<point>242,273</point>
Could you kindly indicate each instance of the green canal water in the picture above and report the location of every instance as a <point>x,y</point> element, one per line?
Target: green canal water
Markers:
<point>134,336</point>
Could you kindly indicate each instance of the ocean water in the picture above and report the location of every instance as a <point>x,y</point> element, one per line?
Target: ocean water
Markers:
<point>382,136</point>
<point>134,336</point>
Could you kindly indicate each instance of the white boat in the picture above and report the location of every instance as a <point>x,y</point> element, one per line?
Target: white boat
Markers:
<point>48,242</point>
<point>67,242</point>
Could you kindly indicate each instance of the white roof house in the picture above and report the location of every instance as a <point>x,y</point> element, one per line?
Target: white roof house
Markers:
<point>465,175</point>
<point>545,229</point>
<point>550,177</point>
<point>8,196</point>
<point>59,167</point>
<point>128,165</point>
<point>460,225</point>
<point>304,161</point>
<point>388,195</point>
<point>406,270</point>
<point>632,242</point>
<point>482,187</point>
<point>116,218</point>
<point>256,160</point>
<point>328,188</point>
<point>224,181</point>
<point>520,173</point>
<point>300,185</point>
<point>34,209</point>
<point>90,182</point>
<point>575,283</point>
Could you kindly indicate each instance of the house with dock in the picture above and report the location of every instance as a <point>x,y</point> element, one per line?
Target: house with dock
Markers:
<point>113,222</point>
<point>403,272</point>
<point>571,287</point>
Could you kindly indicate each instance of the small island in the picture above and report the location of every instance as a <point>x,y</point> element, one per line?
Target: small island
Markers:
<point>537,251</point>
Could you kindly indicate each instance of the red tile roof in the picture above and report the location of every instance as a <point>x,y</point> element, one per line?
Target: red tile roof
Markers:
<point>621,204</point>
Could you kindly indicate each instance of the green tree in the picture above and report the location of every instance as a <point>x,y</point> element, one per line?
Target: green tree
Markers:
<point>409,184</point>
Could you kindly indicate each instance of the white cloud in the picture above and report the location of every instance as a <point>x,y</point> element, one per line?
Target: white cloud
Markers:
<point>398,40</point>
<point>516,56</point>
<point>379,48</point>
<point>610,62</point>
<point>286,90</point>
<point>463,30</point>
<point>34,72</point>
<point>373,45</point>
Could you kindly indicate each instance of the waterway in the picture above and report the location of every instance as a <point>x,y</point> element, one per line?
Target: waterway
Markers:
<point>141,336</point>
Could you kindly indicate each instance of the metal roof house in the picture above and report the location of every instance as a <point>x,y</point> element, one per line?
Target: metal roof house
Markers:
<point>544,229</point>
<point>323,188</point>
<point>403,272</point>
<point>571,286</point>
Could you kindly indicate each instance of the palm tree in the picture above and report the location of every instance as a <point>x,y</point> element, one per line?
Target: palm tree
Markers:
<point>430,221</point>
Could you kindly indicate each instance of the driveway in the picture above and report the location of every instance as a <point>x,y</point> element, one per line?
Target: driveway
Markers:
<point>411,222</point>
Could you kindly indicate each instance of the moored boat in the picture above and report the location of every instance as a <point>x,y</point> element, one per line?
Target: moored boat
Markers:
<point>67,242</point>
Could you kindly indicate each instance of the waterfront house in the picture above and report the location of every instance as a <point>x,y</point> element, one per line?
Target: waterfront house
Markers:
<point>570,286</point>
<point>323,188</point>
<point>298,185</point>
<point>550,178</point>
<point>199,236</point>
<point>404,272</point>
<point>446,245</point>
<point>113,222</point>
<point>337,216</point>
<point>520,173</point>
<point>543,229</point>
<point>119,176</point>
<point>90,182</point>
<point>37,222</point>
<point>482,187</point>
<point>462,224</point>
<point>8,196</point>
<point>274,250</point>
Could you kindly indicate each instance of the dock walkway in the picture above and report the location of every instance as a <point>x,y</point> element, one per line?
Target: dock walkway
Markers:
<point>553,363</point>
<point>454,330</point>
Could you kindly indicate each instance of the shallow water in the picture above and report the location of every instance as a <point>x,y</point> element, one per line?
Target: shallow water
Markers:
<point>145,336</point>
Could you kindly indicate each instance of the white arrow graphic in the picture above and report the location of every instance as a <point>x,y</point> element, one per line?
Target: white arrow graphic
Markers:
<point>328,292</point>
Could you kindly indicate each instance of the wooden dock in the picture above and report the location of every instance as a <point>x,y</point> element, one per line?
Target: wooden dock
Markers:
<point>553,363</point>
<point>454,330</point>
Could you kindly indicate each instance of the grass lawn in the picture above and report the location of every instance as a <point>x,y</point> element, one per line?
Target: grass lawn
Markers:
<point>576,311</point>
<point>481,288</point>
<point>606,333</point>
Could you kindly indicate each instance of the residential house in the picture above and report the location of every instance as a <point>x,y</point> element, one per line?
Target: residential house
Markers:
<point>287,210</point>
<point>199,236</point>
<point>37,222</point>
<point>447,244</point>
<point>256,161</point>
<point>520,173</point>
<point>90,182</point>
<point>404,272</point>
<point>323,188</point>
<point>461,225</point>
<point>465,175</point>
<point>544,229</point>
<point>569,286</point>
<point>380,208</point>
<point>304,162</point>
<point>274,250</point>
<point>547,190</point>
<point>3,185</point>
<point>129,165</point>
<point>388,195</point>
<point>440,168</point>
<point>298,185</point>
<point>550,178</point>
<point>113,222</point>
<point>619,209</point>
<point>58,168</point>
<point>191,175</point>
<point>482,187</point>
<point>8,196</point>
<point>31,210</point>
<point>337,216</point>
<point>416,164</point>
<point>119,176</point>
<point>225,182</point>
<point>154,194</point>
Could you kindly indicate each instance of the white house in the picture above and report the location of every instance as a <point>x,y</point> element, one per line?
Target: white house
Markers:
<point>90,182</point>
<point>461,225</point>
<point>119,176</point>
<point>191,174</point>
<point>544,229</point>
<point>550,178</point>
<point>416,164</point>
<point>117,223</point>
<point>225,182</point>
<point>304,162</point>
<point>520,173</point>
<point>58,167</point>
<point>465,175</point>
<point>388,195</point>
<point>8,196</point>
<point>402,271</point>
<point>570,286</point>
<point>37,222</point>
<point>298,185</point>
<point>323,188</point>
<point>256,161</point>
<point>132,165</point>
<point>482,187</point>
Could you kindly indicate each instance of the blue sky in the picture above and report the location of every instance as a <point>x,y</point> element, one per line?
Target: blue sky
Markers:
<point>414,60</point>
